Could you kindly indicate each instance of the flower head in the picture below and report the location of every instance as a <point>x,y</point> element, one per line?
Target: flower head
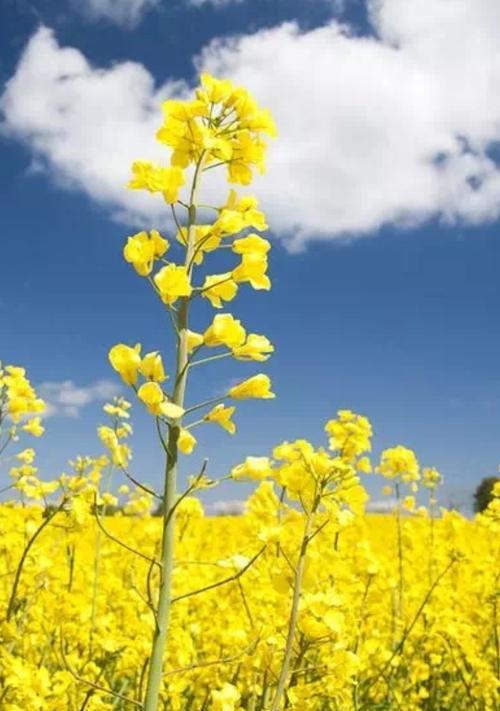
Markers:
<point>258,386</point>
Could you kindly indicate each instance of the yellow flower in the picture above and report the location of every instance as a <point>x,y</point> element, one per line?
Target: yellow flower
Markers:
<point>226,698</point>
<point>239,213</point>
<point>364,465</point>
<point>218,288</point>
<point>173,282</point>
<point>350,434</point>
<point>399,463</point>
<point>254,468</point>
<point>27,456</point>
<point>193,340</point>
<point>253,269</point>
<point>126,361</point>
<point>431,478</point>
<point>120,453</point>
<point>34,427</point>
<point>142,249</point>
<point>152,367</point>
<point>214,90</point>
<point>186,441</point>
<point>256,387</point>
<point>224,331</point>
<point>251,244</point>
<point>157,179</point>
<point>256,347</point>
<point>409,503</point>
<point>221,415</point>
<point>157,404</point>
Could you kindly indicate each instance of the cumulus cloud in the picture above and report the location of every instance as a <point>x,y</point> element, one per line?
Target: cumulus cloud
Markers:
<point>396,128</point>
<point>66,399</point>
<point>83,124</point>
<point>127,13</point>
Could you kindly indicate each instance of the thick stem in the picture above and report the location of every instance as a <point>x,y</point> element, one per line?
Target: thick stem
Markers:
<point>170,486</point>
<point>294,613</point>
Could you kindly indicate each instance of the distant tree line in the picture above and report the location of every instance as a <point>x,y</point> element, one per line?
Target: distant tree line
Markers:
<point>484,493</point>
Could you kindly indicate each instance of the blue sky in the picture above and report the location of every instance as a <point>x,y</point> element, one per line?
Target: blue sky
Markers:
<point>383,205</point>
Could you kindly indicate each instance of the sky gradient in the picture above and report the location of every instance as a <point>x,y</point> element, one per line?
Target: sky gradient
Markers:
<point>393,318</point>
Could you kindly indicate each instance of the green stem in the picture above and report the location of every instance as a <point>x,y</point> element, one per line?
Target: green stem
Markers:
<point>20,565</point>
<point>160,634</point>
<point>97,565</point>
<point>294,613</point>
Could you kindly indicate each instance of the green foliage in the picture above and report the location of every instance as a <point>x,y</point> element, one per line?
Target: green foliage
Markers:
<point>484,493</point>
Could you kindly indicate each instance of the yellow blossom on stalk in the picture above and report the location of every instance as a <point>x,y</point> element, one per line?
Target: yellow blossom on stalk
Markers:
<point>194,340</point>
<point>223,124</point>
<point>256,347</point>
<point>364,465</point>
<point>409,503</point>
<point>239,213</point>
<point>26,470</point>
<point>221,415</point>
<point>431,478</point>
<point>399,463</point>
<point>156,402</point>
<point>143,248</point>
<point>253,269</point>
<point>152,367</point>
<point>247,152</point>
<point>118,408</point>
<point>251,244</point>
<point>126,361</point>
<point>120,453</point>
<point>212,90</point>
<point>157,179</point>
<point>186,441</point>
<point>224,331</point>
<point>124,430</point>
<point>226,698</point>
<point>173,282</point>
<point>19,395</point>
<point>255,468</point>
<point>349,434</point>
<point>218,288</point>
<point>257,386</point>
<point>34,427</point>
<point>27,456</point>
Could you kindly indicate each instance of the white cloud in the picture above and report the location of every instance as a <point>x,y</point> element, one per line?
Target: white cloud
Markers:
<point>396,128</point>
<point>225,508</point>
<point>381,505</point>
<point>127,13</point>
<point>66,399</point>
<point>86,124</point>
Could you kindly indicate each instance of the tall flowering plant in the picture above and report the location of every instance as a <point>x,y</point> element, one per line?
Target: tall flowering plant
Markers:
<point>221,128</point>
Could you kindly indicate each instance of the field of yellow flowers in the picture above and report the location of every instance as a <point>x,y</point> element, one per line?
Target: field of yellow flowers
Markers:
<point>80,623</point>
<point>130,597</point>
